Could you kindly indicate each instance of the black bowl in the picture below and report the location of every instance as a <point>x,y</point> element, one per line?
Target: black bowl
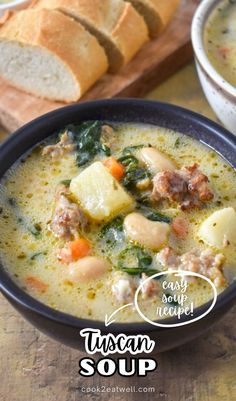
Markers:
<point>64,327</point>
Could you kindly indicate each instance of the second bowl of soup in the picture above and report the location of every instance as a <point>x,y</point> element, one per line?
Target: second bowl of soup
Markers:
<point>213,38</point>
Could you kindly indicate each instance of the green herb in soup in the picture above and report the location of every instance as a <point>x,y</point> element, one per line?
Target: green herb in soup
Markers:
<point>97,209</point>
<point>220,39</point>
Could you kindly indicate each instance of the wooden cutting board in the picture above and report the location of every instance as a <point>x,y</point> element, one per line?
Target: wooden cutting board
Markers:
<point>156,61</point>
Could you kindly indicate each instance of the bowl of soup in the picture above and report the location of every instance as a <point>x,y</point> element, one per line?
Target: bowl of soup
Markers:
<point>213,38</point>
<point>98,198</point>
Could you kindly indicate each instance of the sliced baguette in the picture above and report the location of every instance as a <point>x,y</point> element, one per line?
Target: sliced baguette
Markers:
<point>48,54</point>
<point>156,13</point>
<point>116,24</point>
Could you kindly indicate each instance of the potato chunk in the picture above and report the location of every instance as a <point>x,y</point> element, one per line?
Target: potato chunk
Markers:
<point>219,229</point>
<point>99,194</point>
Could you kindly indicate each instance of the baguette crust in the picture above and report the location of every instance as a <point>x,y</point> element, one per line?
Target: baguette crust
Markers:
<point>130,32</point>
<point>157,13</point>
<point>114,22</point>
<point>165,9</point>
<point>64,38</point>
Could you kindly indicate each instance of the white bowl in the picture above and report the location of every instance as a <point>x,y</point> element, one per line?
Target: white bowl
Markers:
<point>15,4</point>
<point>219,93</point>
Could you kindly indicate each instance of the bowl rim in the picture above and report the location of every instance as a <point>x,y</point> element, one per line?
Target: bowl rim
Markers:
<point>200,19</point>
<point>12,4</point>
<point>13,292</point>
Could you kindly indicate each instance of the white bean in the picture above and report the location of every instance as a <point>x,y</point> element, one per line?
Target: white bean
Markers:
<point>155,160</point>
<point>150,234</point>
<point>88,268</point>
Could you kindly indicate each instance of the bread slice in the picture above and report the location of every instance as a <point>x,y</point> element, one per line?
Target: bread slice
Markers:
<point>157,13</point>
<point>116,24</point>
<point>48,54</point>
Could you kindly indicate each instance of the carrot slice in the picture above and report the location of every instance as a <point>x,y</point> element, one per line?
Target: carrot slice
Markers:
<point>74,250</point>
<point>36,284</point>
<point>116,169</point>
<point>79,248</point>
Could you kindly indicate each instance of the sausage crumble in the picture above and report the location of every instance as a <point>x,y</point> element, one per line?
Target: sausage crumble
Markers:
<point>188,187</point>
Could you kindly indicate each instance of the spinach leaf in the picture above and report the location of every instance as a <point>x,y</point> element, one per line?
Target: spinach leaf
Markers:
<point>144,258</point>
<point>132,177</point>
<point>130,149</point>
<point>129,161</point>
<point>154,215</point>
<point>143,200</point>
<point>135,261</point>
<point>173,303</point>
<point>138,271</point>
<point>88,140</point>
<point>113,231</point>
<point>65,182</point>
<point>133,173</point>
<point>34,229</point>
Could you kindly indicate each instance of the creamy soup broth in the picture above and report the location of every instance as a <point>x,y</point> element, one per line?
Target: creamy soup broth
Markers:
<point>28,248</point>
<point>220,39</point>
